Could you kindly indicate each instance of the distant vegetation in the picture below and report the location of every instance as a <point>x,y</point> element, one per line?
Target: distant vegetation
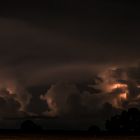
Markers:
<point>29,125</point>
<point>127,121</point>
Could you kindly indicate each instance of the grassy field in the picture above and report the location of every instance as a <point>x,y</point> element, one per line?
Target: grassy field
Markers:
<point>65,137</point>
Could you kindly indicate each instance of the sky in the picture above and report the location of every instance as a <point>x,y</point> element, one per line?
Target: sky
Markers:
<point>69,62</point>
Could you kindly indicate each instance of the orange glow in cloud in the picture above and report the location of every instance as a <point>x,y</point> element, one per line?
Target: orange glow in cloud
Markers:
<point>117,86</point>
<point>124,87</point>
<point>123,96</point>
<point>10,90</point>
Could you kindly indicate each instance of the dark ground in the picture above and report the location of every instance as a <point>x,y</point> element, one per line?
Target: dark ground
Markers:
<point>64,137</point>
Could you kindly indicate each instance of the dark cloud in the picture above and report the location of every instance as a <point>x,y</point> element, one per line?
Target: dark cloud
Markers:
<point>10,107</point>
<point>36,105</point>
<point>77,50</point>
<point>66,101</point>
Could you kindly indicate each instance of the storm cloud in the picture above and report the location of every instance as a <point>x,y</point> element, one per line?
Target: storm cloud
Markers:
<point>69,59</point>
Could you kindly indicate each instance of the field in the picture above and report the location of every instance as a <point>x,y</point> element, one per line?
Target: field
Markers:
<point>65,137</point>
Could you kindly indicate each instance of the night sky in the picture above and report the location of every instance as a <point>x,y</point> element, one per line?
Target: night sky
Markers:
<point>68,62</point>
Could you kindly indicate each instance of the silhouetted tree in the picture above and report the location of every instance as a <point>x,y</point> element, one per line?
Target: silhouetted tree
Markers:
<point>127,121</point>
<point>29,125</point>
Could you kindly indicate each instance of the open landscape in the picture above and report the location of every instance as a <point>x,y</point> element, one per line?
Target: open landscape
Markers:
<point>70,70</point>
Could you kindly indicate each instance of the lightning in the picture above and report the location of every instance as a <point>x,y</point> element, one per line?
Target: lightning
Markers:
<point>111,85</point>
